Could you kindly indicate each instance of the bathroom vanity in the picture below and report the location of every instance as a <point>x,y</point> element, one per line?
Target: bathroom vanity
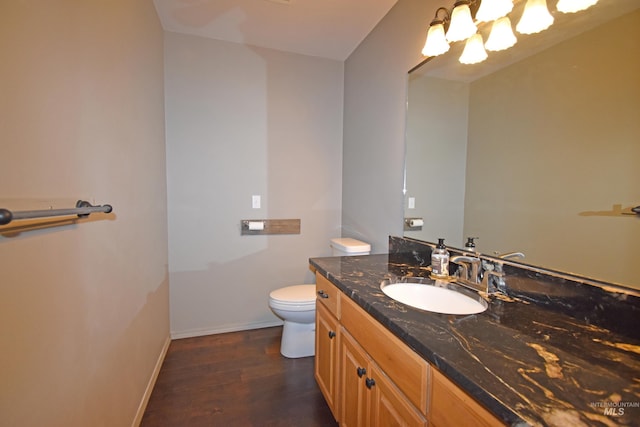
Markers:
<point>369,377</point>
<point>527,360</point>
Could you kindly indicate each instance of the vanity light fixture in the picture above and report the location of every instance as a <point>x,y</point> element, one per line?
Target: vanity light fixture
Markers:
<point>462,26</point>
<point>501,36</point>
<point>473,50</point>
<point>572,6</point>
<point>535,18</point>
<point>436,43</point>
<point>490,10</point>
<point>458,24</point>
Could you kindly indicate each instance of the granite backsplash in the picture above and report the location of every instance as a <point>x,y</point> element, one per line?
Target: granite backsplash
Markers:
<point>591,302</point>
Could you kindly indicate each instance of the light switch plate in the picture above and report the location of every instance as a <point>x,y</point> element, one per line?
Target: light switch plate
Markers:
<point>255,202</point>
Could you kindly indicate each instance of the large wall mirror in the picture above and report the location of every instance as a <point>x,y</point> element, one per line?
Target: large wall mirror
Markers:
<point>537,149</point>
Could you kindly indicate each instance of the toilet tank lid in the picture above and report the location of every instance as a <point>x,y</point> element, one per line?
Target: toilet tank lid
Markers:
<point>347,244</point>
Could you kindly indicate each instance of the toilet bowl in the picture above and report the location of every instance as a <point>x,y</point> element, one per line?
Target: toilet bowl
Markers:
<point>296,306</point>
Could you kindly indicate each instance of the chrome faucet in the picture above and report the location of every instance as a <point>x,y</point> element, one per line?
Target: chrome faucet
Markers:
<point>493,277</point>
<point>468,270</point>
<point>511,255</point>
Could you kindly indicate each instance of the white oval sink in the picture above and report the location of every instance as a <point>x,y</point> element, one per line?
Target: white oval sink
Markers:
<point>444,299</point>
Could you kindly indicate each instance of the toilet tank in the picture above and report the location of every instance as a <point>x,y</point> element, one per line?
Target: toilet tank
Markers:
<point>346,246</point>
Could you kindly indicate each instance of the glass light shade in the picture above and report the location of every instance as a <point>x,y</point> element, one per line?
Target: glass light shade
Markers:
<point>501,36</point>
<point>461,26</point>
<point>536,17</point>
<point>572,6</point>
<point>473,51</point>
<point>436,43</point>
<point>490,10</point>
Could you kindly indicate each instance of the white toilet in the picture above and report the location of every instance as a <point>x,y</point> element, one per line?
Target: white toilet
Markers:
<point>296,305</point>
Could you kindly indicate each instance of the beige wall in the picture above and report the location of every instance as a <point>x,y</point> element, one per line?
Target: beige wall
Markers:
<point>553,137</point>
<point>245,121</point>
<point>374,122</point>
<point>84,307</point>
<point>435,158</point>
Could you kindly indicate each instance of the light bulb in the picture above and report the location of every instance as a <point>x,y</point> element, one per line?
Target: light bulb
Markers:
<point>490,10</point>
<point>536,17</point>
<point>501,36</point>
<point>473,50</point>
<point>572,6</point>
<point>436,43</point>
<point>461,26</point>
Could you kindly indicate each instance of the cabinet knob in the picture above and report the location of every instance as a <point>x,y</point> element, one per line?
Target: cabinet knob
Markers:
<point>323,294</point>
<point>332,334</point>
<point>370,382</point>
<point>361,372</point>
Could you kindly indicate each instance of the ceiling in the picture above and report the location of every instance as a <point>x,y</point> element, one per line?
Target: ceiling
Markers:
<point>325,28</point>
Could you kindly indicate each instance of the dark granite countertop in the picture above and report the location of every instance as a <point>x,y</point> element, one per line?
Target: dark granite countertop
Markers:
<point>526,363</point>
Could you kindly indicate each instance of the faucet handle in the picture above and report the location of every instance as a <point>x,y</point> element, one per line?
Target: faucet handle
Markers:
<point>498,280</point>
<point>464,262</point>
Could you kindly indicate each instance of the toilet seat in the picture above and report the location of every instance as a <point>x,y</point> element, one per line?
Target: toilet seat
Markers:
<point>297,297</point>
<point>297,294</point>
<point>287,306</point>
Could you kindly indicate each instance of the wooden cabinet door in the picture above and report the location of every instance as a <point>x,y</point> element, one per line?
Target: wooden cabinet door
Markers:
<point>452,407</point>
<point>326,360</point>
<point>389,407</point>
<point>408,371</point>
<point>354,399</point>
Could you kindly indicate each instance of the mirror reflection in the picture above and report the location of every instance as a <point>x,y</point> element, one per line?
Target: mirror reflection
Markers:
<point>537,149</point>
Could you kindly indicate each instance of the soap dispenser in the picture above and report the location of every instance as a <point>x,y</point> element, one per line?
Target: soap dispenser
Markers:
<point>440,261</point>
<point>470,246</point>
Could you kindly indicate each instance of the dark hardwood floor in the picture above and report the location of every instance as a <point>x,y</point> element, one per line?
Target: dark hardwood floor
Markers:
<point>236,379</point>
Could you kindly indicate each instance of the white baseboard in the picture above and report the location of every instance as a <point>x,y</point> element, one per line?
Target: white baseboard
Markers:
<point>176,335</point>
<point>152,382</point>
